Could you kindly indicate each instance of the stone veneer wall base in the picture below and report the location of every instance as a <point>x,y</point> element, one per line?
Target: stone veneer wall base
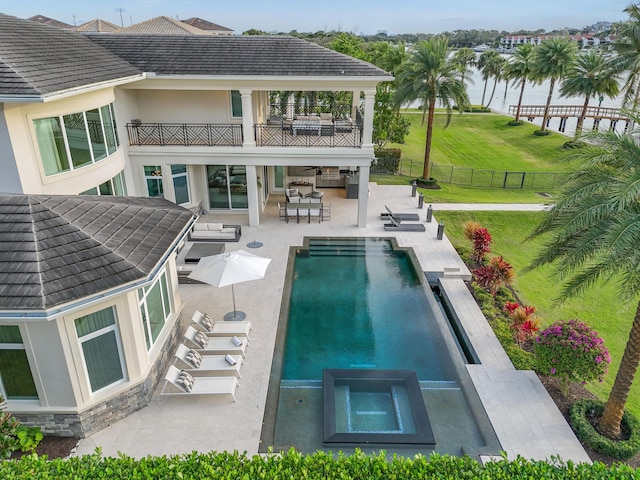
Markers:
<point>110,411</point>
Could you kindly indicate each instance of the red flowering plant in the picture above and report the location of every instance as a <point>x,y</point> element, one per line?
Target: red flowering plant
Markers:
<point>481,239</point>
<point>523,321</point>
<point>573,352</point>
<point>497,273</point>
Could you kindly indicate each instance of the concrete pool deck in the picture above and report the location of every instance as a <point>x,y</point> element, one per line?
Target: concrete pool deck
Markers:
<point>523,415</point>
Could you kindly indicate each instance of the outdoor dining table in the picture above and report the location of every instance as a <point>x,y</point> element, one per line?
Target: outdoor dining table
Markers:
<point>306,210</point>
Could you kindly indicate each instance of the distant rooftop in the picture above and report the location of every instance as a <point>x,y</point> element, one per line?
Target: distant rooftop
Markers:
<point>206,25</point>
<point>98,25</point>
<point>49,21</point>
<point>163,26</point>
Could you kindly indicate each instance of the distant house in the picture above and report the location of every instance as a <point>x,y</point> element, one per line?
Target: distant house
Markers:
<point>208,122</point>
<point>214,28</point>
<point>163,26</point>
<point>88,306</point>
<point>99,26</point>
<point>50,21</point>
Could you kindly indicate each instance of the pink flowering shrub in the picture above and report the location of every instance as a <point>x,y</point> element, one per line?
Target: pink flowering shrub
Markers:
<point>573,352</point>
<point>481,239</point>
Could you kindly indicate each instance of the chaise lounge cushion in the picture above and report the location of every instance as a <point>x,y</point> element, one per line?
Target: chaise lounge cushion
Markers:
<point>215,232</point>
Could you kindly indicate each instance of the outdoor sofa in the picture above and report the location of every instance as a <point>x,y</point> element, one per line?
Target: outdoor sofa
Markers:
<point>215,232</point>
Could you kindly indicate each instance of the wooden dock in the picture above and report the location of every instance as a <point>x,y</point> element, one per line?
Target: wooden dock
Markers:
<point>564,112</point>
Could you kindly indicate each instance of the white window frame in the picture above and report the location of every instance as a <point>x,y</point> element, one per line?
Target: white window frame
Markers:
<point>98,333</point>
<point>142,303</point>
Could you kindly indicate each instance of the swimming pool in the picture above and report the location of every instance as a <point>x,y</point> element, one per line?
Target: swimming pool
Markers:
<point>360,303</point>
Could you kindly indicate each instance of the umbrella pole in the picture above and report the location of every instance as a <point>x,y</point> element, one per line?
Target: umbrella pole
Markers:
<point>235,315</point>
<point>233,295</point>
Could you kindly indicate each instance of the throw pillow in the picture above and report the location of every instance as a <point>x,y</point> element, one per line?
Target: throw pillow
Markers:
<point>201,339</point>
<point>230,360</point>
<point>236,341</point>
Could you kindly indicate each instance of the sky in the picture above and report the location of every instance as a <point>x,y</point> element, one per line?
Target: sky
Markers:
<point>355,16</point>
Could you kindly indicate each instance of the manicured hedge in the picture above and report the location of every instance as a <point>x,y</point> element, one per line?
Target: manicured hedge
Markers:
<point>293,465</point>
<point>622,450</point>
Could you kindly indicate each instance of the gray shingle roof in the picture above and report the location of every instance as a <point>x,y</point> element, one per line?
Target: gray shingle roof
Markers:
<point>206,25</point>
<point>37,59</point>
<point>233,55</point>
<point>57,249</point>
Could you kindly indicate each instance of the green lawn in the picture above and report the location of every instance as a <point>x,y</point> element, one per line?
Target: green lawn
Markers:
<point>458,194</point>
<point>484,141</point>
<point>599,307</point>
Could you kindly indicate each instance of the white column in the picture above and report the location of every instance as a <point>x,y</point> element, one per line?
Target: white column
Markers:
<point>355,101</point>
<point>363,195</point>
<point>367,133</point>
<point>252,196</point>
<point>247,119</point>
<point>167,183</point>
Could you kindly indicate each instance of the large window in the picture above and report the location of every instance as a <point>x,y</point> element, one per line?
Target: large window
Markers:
<point>155,308</point>
<point>101,348</point>
<point>181,184</point>
<point>236,104</point>
<point>16,381</point>
<point>115,186</point>
<point>75,140</point>
<point>153,180</point>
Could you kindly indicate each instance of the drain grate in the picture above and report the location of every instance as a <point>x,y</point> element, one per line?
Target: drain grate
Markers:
<point>544,194</point>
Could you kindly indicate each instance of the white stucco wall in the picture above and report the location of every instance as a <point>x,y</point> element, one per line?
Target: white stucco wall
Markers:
<point>19,118</point>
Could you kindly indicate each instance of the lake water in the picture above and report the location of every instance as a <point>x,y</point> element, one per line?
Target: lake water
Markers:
<point>534,95</point>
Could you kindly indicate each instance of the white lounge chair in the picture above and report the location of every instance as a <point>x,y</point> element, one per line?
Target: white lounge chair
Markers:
<point>208,365</point>
<point>220,329</point>
<point>215,345</point>
<point>188,385</point>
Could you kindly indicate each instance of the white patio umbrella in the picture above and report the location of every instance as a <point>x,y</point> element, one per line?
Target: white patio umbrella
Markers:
<point>228,269</point>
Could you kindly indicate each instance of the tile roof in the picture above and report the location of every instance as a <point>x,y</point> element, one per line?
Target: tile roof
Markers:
<point>58,249</point>
<point>251,55</point>
<point>98,25</point>
<point>206,25</point>
<point>49,21</point>
<point>37,59</point>
<point>163,26</point>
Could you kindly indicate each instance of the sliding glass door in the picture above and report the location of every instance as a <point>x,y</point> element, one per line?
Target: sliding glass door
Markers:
<point>227,186</point>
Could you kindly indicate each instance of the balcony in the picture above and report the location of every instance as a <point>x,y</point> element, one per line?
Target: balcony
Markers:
<point>309,135</point>
<point>185,134</point>
<point>281,134</point>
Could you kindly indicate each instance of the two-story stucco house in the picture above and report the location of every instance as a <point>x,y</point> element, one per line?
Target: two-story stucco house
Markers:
<point>210,123</point>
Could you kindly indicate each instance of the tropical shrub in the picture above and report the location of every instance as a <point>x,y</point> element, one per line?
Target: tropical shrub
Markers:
<point>388,158</point>
<point>469,229</point>
<point>496,274</point>
<point>29,438</point>
<point>523,321</point>
<point>481,239</point>
<point>8,427</point>
<point>582,415</point>
<point>571,351</point>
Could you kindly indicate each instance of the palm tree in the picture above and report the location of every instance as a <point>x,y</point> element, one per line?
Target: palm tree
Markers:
<point>627,45</point>
<point>591,76</point>
<point>551,60</point>
<point>490,64</point>
<point>595,230</point>
<point>519,70</point>
<point>465,57</point>
<point>430,75</point>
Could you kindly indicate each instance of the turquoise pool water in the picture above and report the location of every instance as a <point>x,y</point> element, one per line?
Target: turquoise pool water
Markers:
<point>361,304</point>
<point>361,308</point>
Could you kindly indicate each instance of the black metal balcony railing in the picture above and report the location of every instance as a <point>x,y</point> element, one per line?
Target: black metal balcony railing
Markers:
<point>185,134</point>
<point>327,136</point>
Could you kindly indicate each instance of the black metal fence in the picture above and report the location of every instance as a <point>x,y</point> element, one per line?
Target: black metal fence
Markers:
<point>473,177</point>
